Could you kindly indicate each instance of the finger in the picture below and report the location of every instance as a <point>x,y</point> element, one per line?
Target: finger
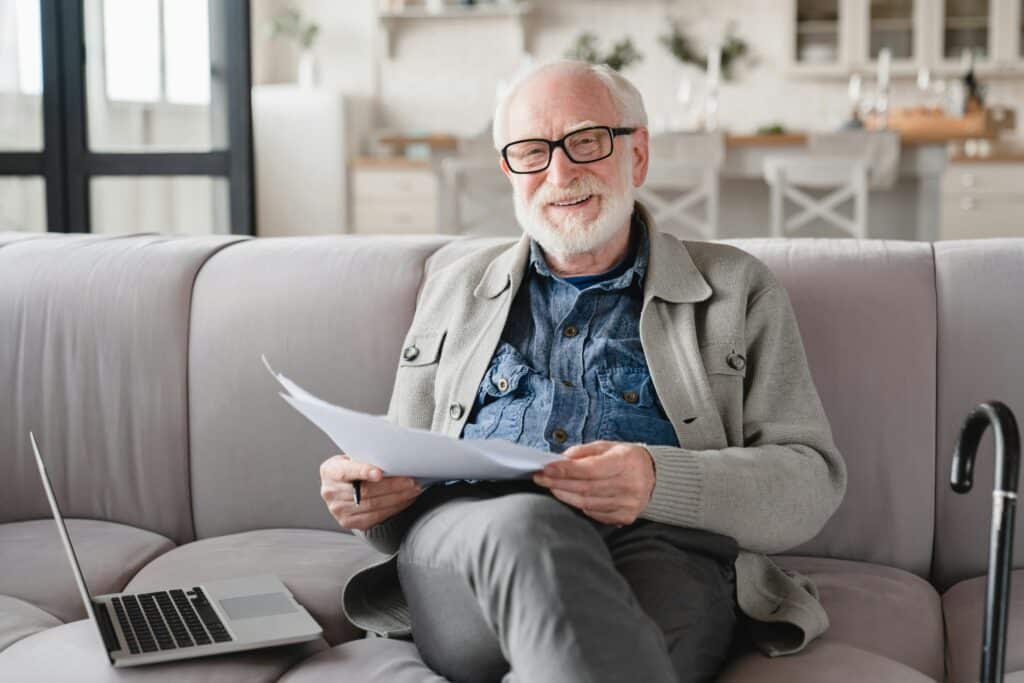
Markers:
<point>387,485</point>
<point>603,466</point>
<point>585,450</point>
<point>384,501</point>
<point>587,504</point>
<point>360,471</point>
<point>364,519</point>
<point>603,488</point>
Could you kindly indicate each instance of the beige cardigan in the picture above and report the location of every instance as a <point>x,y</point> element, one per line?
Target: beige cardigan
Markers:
<point>756,459</point>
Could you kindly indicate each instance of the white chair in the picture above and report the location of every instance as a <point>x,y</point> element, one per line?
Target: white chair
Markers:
<point>848,163</point>
<point>476,195</point>
<point>683,173</point>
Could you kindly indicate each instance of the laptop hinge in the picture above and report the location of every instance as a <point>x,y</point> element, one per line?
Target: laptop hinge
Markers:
<point>106,627</point>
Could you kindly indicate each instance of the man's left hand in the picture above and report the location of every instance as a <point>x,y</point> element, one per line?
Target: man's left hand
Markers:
<point>610,481</point>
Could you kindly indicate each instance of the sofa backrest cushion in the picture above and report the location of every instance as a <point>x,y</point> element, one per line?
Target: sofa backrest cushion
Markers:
<point>981,340</point>
<point>331,314</point>
<point>93,360</point>
<point>866,312</point>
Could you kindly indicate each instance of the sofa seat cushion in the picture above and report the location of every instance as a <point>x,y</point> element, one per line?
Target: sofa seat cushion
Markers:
<point>822,661</point>
<point>19,619</point>
<point>964,609</point>
<point>370,660</point>
<point>36,568</point>
<point>313,564</point>
<point>876,613</point>
<point>74,652</point>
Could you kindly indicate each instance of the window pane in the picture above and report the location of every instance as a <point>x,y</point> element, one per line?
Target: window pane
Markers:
<point>817,31</point>
<point>148,81</point>
<point>892,26</point>
<point>966,28</point>
<point>187,51</point>
<point>22,204</point>
<point>168,204</point>
<point>21,76</point>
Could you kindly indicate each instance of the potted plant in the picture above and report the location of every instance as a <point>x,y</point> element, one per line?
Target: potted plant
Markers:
<point>289,24</point>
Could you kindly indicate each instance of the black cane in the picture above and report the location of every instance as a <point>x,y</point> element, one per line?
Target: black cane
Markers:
<point>1004,507</point>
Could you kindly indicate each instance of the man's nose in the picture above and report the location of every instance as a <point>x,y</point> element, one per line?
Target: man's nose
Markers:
<point>561,170</point>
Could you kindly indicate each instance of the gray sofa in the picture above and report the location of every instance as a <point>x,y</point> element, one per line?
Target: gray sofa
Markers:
<point>136,361</point>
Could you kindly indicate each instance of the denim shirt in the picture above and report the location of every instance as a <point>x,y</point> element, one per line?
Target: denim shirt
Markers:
<point>569,367</point>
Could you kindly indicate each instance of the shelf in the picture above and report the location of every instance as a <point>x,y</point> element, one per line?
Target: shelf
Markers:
<point>391,22</point>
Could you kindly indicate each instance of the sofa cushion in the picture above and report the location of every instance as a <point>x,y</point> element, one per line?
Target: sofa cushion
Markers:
<point>74,652</point>
<point>823,661</point>
<point>93,359</point>
<point>882,610</point>
<point>964,608</point>
<point>330,313</point>
<point>19,619</point>
<point>371,660</point>
<point>314,565</point>
<point>36,568</point>
<point>981,320</point>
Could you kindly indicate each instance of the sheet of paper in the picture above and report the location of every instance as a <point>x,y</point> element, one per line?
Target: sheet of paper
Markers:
<point>402,451</point>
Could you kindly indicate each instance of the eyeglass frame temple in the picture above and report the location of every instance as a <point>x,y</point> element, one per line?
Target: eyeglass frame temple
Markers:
<point>560,143</point>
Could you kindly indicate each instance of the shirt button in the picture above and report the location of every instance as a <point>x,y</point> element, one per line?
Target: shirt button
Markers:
<point>566,382</point>
<point>736,361</point>
<point>559,435</point>
<point>502,384</point>
<point>570,331</point>
<point>410,352</point>
<point>455,411</point>
<point>630,396</point>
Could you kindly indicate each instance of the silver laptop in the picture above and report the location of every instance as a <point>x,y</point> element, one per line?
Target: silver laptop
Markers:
<point>180,623</point>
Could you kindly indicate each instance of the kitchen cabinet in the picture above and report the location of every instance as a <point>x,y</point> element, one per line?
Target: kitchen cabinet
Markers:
<point>395,196</point>
<point>833,38</point>
<point>982,199</point>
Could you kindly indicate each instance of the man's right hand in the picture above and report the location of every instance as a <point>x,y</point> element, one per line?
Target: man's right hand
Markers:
<point>380,497</point>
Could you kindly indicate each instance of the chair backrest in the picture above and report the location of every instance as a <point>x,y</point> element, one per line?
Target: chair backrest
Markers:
<point>682,174</point>
<point>879,148</point>
<point>476,195</point>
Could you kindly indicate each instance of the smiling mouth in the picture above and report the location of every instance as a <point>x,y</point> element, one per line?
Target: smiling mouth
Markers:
<point>573,202</point>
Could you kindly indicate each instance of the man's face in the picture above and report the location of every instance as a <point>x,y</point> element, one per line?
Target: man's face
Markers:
<point>572,208</point>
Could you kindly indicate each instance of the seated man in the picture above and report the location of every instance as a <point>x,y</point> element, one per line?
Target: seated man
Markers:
<point>672,378</point>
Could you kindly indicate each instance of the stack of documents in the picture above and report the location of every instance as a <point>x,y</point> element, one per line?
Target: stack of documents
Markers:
<point>407,452</point>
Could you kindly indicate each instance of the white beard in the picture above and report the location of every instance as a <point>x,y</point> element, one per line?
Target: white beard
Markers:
<point>575,235</point>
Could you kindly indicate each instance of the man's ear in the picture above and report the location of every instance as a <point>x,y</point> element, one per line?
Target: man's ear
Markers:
<point>641,155</point>
<point>504,168</point>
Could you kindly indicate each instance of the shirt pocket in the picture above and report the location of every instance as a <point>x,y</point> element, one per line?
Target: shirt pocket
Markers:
<point>506,391</point>
<point>630,410</point>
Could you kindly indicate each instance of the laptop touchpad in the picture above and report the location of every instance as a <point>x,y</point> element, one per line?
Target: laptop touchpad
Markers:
<point>264,605</point>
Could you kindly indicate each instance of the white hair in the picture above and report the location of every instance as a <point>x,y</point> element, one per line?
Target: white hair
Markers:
<point>627,99</point>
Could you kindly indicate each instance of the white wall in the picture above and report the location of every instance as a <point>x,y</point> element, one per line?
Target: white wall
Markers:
<point>444,72</point>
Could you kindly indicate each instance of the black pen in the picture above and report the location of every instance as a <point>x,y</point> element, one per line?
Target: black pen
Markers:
<point>355,491</point>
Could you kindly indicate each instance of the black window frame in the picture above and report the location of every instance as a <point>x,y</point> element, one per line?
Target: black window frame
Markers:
<point>67,164</point>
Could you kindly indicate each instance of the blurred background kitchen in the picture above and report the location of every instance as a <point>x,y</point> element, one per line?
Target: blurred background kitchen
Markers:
<point>888,119</point>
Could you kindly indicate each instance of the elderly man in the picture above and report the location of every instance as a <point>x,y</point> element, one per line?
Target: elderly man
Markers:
<point>671,377</point>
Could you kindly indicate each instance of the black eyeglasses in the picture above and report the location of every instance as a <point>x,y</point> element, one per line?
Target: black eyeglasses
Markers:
<point>583,146</point>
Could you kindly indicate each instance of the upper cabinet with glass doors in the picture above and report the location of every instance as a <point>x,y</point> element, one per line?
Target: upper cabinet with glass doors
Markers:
<point>836,37</point>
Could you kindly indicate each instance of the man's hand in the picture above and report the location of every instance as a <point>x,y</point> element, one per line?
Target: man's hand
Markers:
<point>380,497</point>
<point>610,481</point>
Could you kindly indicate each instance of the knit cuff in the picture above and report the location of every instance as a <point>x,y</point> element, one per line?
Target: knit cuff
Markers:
<point>678,487</point>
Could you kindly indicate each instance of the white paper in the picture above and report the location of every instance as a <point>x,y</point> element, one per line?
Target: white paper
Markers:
<point>408,452</point>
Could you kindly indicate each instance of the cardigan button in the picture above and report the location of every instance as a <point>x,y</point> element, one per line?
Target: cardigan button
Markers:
<point>736,361</point>
<point>410,352</point>
<point>455,411</point>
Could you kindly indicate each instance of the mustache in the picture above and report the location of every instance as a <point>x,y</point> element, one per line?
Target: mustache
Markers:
<point>580,187</point>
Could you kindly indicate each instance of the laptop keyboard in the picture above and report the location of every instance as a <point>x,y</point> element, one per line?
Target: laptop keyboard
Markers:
<point>167,620</point>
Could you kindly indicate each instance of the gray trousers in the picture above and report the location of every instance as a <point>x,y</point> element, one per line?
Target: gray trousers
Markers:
<point>505,582</point>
